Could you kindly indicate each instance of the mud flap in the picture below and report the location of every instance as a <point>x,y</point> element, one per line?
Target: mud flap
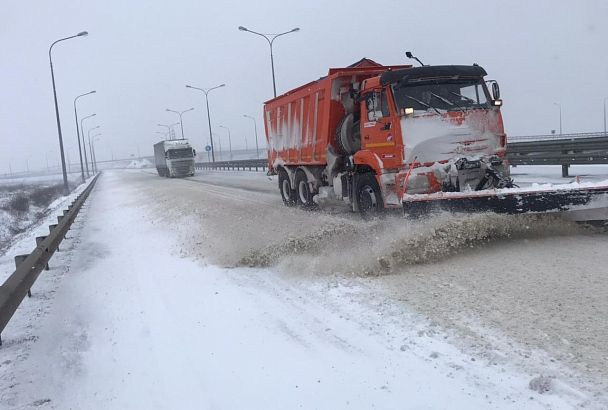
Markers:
<point>589,203</point>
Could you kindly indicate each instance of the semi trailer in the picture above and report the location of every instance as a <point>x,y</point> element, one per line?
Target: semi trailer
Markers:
<point>174,158</point>
<point>416,138</point>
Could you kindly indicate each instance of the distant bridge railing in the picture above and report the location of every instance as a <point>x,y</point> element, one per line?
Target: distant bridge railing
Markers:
<point>242,164</point>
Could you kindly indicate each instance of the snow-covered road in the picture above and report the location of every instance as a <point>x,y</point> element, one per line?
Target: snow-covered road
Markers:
<point>201,294</point>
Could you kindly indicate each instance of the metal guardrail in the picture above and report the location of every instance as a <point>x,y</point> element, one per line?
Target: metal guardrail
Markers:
<point>28,267</point>
<point>243,164</point>
<point>563,151</point>
<point>543,137</point>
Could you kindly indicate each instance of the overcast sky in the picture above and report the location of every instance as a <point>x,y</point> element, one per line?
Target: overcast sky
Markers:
<point>140,54</point>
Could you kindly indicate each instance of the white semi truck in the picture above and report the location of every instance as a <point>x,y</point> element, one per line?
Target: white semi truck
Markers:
<point>174,158</point>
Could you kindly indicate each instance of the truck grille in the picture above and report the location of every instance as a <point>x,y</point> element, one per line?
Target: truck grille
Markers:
<point>183,167</point>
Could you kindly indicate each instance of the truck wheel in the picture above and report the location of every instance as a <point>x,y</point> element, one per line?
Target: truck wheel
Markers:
<point>303,193</point>
<point>287,193</point>
<point>368,195</point>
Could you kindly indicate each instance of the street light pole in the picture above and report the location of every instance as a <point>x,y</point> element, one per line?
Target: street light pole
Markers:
<point>94,157</point>
<point>270,38</point>
<point>66,187</point>
<point>206,91</point>
<point>219,143</point>
<point>605,98</point>
<point>564,166</point>
<point>229,141</point>
<point>169,128</point>
<point>78,132</point>
<point>84,145</point>
<point>181,121</point>
<point>91,149</point>
<point>560,117</point>
<point>255,127</point>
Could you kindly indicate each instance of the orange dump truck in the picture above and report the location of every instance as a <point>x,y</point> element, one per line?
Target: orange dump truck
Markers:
<point>398,136</point>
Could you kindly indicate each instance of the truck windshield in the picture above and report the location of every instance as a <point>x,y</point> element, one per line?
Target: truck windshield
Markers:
<point>446,95</point>
<point>179,153</point>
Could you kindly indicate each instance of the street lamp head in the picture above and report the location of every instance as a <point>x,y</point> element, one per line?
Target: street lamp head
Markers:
<point>243,28</point>
<point>295,29</point>
<point>82,34</point>
<point>188,86</point>
<point>221,85</point>
<point>93,92</point>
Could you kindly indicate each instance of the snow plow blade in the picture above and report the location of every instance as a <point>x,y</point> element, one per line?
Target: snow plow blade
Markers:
<point>578,202</point>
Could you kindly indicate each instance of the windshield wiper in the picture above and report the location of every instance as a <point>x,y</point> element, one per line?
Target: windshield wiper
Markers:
<point>445,100</point>
<point>423,103</point>
<point>464,96</point>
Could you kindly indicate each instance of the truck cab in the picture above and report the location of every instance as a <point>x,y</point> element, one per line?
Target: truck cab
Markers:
<point>429,129</point>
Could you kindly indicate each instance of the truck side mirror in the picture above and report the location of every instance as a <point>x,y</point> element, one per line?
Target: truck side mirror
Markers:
<point>495,91</point>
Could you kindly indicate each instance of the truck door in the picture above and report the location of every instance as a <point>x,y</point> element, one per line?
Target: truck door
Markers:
<point>379,129</point>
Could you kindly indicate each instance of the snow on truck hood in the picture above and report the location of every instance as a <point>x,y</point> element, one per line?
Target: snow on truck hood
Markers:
<point>433,138</point>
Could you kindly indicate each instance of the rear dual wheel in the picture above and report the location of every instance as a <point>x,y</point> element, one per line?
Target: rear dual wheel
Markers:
<point>287,192</point>
<point>303,192</point>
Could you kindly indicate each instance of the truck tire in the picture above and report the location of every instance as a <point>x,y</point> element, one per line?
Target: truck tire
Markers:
<point>368,196</point>
<point>287,192</point>
<point>348,135</point>
<point>303,193</point>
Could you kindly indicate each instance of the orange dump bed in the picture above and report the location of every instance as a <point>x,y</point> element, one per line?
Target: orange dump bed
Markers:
<point>301,124</point>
